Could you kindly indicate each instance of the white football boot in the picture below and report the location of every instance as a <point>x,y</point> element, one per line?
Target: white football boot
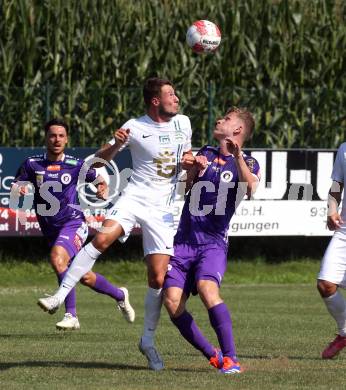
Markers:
<point>125,307</point>
<point>155,361</point>
<point>50,304</point>
<point>68,323</point>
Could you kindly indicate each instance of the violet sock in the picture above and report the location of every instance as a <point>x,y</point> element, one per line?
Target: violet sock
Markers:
<point>103,286</point>
<point>220,320</point>
<point>70,301</point>
<point>190,331</point>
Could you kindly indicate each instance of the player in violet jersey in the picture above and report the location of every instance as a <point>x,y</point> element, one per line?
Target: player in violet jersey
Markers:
<point>200,244</point>
<point>54,177</point>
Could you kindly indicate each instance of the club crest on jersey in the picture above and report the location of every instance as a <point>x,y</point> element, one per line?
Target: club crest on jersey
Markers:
<point>226,176</point>
<point>179,137</point>
<point>164,139</point>
<point>65,178</point>
<point>53,168</point>
<point>250,162</point>
<point>39,180</point>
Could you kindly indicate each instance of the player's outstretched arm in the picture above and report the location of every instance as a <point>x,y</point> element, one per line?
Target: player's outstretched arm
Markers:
<point>108,151</point>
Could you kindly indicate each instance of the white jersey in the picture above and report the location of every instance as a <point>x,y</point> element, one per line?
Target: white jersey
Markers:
<point>339,175</point>
<point>156,150</point>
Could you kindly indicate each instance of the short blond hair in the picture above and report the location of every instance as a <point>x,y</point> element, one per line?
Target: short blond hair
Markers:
<point>245,115</point>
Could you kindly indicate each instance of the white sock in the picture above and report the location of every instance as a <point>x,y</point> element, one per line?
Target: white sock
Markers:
<point>336,306</point>
<point>81,264</point>
<point>152,307</point>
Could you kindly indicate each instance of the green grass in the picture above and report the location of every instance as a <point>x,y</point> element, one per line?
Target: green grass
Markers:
<point>280,330</point>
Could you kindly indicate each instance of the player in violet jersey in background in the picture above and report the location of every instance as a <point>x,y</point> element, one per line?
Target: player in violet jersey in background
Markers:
<point>201,241</point>
<point>54,177</point>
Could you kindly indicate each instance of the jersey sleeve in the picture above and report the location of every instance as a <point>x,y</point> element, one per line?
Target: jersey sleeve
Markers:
<point>253,166</point>
<point>188,144</point>
<point>126,125</point>
<point>91,175</point>
<point>337,173</point>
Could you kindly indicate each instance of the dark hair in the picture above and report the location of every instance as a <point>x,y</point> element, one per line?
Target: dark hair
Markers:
<point>56,122</point>
<point>152,87</point>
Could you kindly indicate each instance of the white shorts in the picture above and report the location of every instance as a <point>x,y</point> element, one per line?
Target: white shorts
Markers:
<point>156,223</point>
<point>333,266</point>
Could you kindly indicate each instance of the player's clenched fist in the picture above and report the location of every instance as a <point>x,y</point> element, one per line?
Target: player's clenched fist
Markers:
<point>121,136</point>
<point>334,221</point>
<point>201,162</point>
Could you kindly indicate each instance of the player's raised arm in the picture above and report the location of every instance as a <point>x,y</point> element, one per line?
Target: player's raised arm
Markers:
<point>109,150</point>
<point>244,172</point>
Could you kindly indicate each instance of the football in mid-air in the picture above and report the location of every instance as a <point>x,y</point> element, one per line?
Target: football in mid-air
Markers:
<point>203,36</point>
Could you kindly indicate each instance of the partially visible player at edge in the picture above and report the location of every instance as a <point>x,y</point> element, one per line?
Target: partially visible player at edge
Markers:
<point>66,230</point>
<point>332,274</point>
<point>201,242</point>
<point>160,145</point>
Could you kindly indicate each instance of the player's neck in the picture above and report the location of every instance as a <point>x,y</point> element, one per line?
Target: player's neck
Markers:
<point>54,157</point>
<point>223,148</point>
<point>157,117</point>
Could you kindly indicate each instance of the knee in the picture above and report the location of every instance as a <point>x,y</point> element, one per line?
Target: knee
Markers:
<point>209,295</point>
<point>155,280</point>
<point>101,242</point>
<point>173,305</point>
<point>58,262</point>
<point>325,288</point>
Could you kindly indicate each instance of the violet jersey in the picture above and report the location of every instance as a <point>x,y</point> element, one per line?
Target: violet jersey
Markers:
<point>156,151</point>
<point>55,185</point>
<point>213,199</point>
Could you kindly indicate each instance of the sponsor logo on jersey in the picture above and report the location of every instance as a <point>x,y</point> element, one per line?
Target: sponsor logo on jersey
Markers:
<point>219,161</point>
<point>146,135</point>
<point>226,176</point>
<point>53,175</point>
<point>71,162</point>
<point>39,180</point>
<point>164,139</point>
<point>77,242</point>
<point>53,168</point>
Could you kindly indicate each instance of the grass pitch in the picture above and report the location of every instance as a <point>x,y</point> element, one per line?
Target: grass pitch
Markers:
<point>280,330</point>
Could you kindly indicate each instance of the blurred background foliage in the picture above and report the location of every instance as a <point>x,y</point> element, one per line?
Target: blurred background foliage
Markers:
<point>86,60</point>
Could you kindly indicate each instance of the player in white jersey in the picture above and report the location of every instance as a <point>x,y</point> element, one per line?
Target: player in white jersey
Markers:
<point>333,268</point>
<point>160,145</point>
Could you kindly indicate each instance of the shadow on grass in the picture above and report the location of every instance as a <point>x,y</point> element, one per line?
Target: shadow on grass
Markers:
<point>265,357</point>
<point>86,365</point>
